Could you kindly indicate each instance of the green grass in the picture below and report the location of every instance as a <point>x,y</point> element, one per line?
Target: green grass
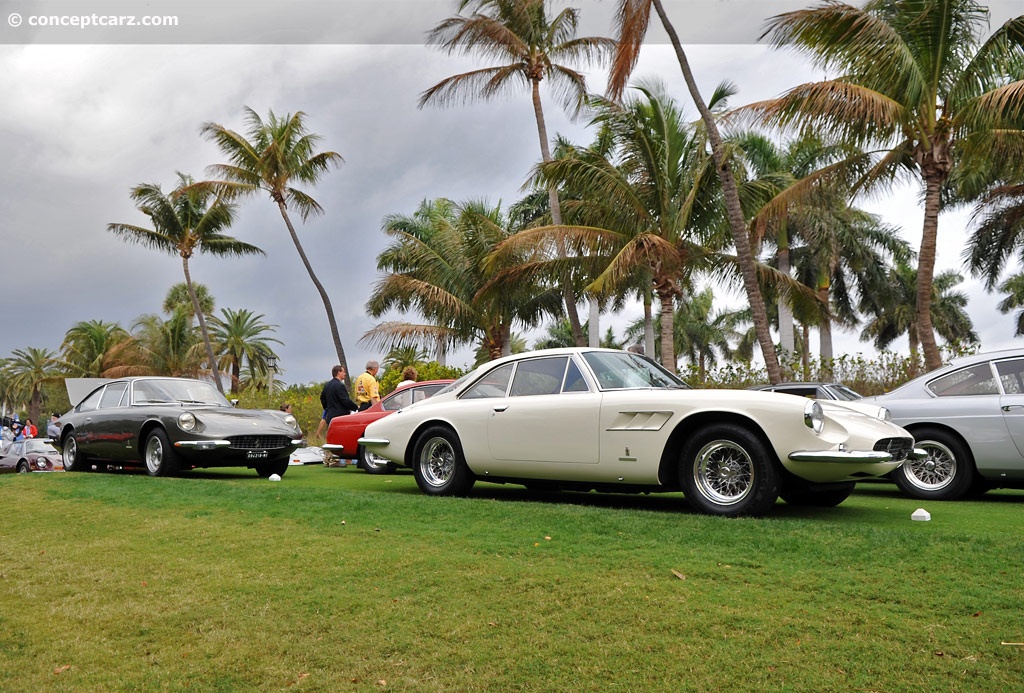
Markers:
<point>336,580</point>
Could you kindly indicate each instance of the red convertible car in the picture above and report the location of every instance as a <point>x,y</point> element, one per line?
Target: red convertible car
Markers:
<point>345,431</point>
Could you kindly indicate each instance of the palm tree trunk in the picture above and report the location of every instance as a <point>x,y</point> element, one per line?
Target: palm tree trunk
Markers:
<point>786,336</point>
<point>926,271</point>
<point>319,287</point>
<point>825,332</point>
<point>568,296</point>
<point>202,326</point>
<point>668,342</point>
<point>915,344</point>
<point>733,207</point>
<point>648,325</point>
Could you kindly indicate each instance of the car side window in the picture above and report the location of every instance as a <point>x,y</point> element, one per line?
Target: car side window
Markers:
<point>493,384</point>
<point>539,376</point>
<point>112,395</point>
<point>92,401</point>
<point>1011,376</point>
<point>574,380</point>
<point>972,381</point>
<point>402,399</point>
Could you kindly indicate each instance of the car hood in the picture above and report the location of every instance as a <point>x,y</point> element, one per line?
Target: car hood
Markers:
<point>260,420</point>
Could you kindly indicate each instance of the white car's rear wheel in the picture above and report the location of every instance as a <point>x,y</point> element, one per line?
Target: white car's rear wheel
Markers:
<point>946,474</point>
<point>440,467</point>
<point>726,469</point>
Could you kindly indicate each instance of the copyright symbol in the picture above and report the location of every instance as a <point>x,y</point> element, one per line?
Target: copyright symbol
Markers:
<point>14,19</point>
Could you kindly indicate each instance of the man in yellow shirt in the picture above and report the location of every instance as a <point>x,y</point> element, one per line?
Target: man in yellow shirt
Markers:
<point>367,388</point>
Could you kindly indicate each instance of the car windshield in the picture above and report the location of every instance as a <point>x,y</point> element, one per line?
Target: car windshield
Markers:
<point>177,391</point>
<point>844,393</point>
<point>40,446</point>
<point>624,370</point>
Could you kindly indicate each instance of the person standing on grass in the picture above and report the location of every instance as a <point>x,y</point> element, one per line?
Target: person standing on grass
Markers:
<point>367,388</point>
<point>336,402</point>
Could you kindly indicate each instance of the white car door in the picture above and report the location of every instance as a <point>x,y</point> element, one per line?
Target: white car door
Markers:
<point>549,418</point>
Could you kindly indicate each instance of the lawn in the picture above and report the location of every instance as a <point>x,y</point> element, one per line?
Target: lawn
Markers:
<point>336,580</point>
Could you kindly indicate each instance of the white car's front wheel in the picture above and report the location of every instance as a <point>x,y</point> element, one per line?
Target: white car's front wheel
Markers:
<point>440,467</point>
<point>725,469</point>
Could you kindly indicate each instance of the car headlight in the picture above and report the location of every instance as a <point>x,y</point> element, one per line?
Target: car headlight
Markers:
<point>814,417</point>
<point>290,420</point>
<point>187,421</point>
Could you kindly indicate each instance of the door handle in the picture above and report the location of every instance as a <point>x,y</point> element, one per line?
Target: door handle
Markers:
<point>500,407</point>
<point>1008,407</point>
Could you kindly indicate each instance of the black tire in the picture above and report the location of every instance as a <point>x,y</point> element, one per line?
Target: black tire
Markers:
<point>807,495</point>
<point>374,464</point>
<point>725,469</point>
<point>23,467</point>
<point>159,456</point>
<point>946,474</point>
<point>266,469</point>
<point>439,464</point>
<point>74,460</point>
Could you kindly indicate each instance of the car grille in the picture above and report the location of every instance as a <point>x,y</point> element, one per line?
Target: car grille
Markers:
<point>899,448</point>
<point>259,442</point>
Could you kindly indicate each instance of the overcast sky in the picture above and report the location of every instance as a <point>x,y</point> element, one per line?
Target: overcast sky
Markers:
<point>88,112</point>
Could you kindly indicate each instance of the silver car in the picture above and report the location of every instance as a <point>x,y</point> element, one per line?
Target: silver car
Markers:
<point>969,417</point>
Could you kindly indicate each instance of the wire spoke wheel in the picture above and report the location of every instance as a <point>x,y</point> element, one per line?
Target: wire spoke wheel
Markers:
<point>723,472</point>
<point>440,467</point>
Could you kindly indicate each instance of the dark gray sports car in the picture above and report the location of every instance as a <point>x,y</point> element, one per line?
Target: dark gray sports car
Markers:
<point>170,425</point>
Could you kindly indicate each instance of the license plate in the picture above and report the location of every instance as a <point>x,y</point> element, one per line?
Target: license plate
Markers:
<point>256,455</point>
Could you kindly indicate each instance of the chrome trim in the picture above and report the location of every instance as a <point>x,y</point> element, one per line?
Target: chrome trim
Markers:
<point>333,446</point>
<point>374,441</point>
<point>848,456</point>
<point>202,444</point>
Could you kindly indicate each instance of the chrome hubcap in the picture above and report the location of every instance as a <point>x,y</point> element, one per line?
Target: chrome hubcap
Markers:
<point>723,472</point>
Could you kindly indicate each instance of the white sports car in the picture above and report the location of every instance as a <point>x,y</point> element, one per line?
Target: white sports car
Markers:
<point>601,419</point>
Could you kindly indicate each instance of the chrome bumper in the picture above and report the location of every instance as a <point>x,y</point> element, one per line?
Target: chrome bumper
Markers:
<point>203,444</point>
<point>847,456</point>
<point>374,441</point>
<point>333,446</point>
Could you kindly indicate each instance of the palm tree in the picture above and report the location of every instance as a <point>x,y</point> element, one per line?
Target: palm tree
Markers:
<point>240,336</point>
<point>91,347</point>
<point>531,47</point>
<point>1013,287</point>
<point>271,157</point>
<point>438,264</point>
<point>917,81</point>
<point>165,347</point>
<point>178,295</point>
<point>642,198</point>
<point>191,219</point>
<point>632,19</point>
<point>999,217</point>
<point>893,311</point>
<point>27,370</point>
<point>702,334</point>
